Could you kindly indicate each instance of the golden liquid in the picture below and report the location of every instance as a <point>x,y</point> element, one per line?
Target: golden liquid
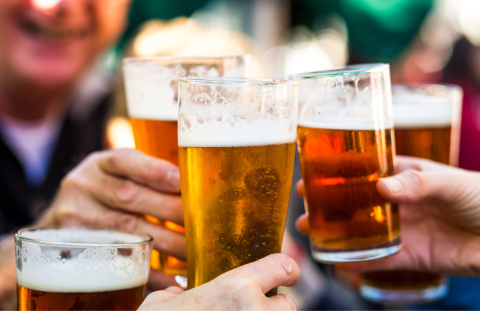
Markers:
<point>429,143</point>
<point>160,139</point>
<point>235,201</point>
<point>340,169</point>
<point>124,299</point>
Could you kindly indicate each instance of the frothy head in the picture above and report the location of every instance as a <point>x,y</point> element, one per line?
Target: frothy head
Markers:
<point>81,260</point>
<point>151,84</point>
<point>237,112</point>
<point>430,105</point>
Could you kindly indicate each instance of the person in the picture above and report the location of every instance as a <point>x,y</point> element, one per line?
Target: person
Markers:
<point>440,219</point>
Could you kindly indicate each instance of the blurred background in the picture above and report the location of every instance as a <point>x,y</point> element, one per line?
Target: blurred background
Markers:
<point>424,41</point>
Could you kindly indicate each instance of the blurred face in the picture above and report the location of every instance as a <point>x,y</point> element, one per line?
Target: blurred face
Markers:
<point>48,43</point>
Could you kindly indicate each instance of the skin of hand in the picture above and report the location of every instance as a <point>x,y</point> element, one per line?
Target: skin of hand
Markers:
<point>243,288</point>
<point>440,219</point>
<point>113,189</point>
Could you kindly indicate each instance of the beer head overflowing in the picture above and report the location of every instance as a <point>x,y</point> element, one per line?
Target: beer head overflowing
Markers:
<point>236,112</point>
<point>151,84</point>
<point>354,97</point>
<point>81,259</point>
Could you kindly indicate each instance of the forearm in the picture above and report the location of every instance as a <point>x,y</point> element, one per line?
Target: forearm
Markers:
<point>8,289</point>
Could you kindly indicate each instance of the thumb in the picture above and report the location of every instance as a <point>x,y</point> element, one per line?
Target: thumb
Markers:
<point>412,186</point>
<point>457,191</point>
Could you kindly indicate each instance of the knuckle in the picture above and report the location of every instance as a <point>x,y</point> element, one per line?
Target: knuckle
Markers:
<point>284,262</point>
<point>117,156</point>
<point>287,303</point>
<point>127,192</point>
<point>127,222</point>
<point>415,182</point>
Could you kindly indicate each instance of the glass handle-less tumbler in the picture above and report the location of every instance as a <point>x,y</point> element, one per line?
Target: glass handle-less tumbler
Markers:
<point>74,268</point>
<point>151,85</point>
<point>345,143</point>
<point>236,148</point>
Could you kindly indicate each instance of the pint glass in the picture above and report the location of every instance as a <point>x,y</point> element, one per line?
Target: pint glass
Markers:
<point>151,86</point>
<point>236,147</point>
<point>427,125</point>
<point>81,269</point>
<point>345,143</point>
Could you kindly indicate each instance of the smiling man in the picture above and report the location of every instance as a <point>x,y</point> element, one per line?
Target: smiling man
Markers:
<point>47,124</point>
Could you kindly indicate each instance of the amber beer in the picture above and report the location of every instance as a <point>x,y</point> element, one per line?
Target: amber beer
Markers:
<point>340,168</point>
<point>124,299</point>
<point>236,167</point>
<point>151,85</point>
<point>158,138</point>
<point>426,119</point>
<point>81,269</point>
<point>235,199</point>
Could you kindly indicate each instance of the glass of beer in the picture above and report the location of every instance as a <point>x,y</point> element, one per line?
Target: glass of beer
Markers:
<point>236,147</point>
<point>345,143</point>
<point>427,125</point>
<point>151,86</point>
<point>74,268</point>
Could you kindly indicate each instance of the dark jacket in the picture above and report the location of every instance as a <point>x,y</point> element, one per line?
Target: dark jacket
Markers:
<point>20,204</point>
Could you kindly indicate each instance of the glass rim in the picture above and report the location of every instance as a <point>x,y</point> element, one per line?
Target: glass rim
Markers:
<point>181,58</point>
<point>239,81</point>
<point>340,72</point>
<point>146,238</point>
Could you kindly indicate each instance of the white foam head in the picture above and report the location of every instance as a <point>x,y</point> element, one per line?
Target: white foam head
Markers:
<point>151,84</point>
<point>53,267</point>
<point>237,112</point>
<point>428,105</point>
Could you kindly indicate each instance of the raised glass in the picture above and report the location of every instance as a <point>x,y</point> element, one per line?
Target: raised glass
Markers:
<point>427,125</point>
<point>236,148</point>
<point>81,269</point>
<point>151,86</point>
<point>345,143</point>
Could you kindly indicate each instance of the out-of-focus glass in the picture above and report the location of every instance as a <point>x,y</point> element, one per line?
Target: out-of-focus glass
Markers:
<point>237,148</point>
<point>345,143</point>
<point>151,86</point>
<point>427,125</point>
<point>81,269</point>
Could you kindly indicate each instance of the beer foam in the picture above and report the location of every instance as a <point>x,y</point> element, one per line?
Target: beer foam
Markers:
<point>236,133</point>
<point>59,268</point>
<point>413,113</point>
<point>150,91</point>
<point>345,125</point>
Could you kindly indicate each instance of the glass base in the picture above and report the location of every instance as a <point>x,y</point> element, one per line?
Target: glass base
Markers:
<point>182,281</point>
<point>328,255</point>
<point>404,296</point>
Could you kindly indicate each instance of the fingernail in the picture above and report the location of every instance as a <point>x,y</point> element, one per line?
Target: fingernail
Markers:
<point>287,264</point>
<point>393,185</point>
<point>173,179</point>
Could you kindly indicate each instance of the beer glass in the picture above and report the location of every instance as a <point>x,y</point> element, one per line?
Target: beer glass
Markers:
<point>236,147</point>
<point>345,143</point>
<point>151,86</point>
<point>74,268</point>
<point>427,125</point>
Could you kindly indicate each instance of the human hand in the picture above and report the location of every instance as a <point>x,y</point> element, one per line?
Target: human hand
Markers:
<point>243,288</point>
<point>440,219</point>
<point>114,189</point>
